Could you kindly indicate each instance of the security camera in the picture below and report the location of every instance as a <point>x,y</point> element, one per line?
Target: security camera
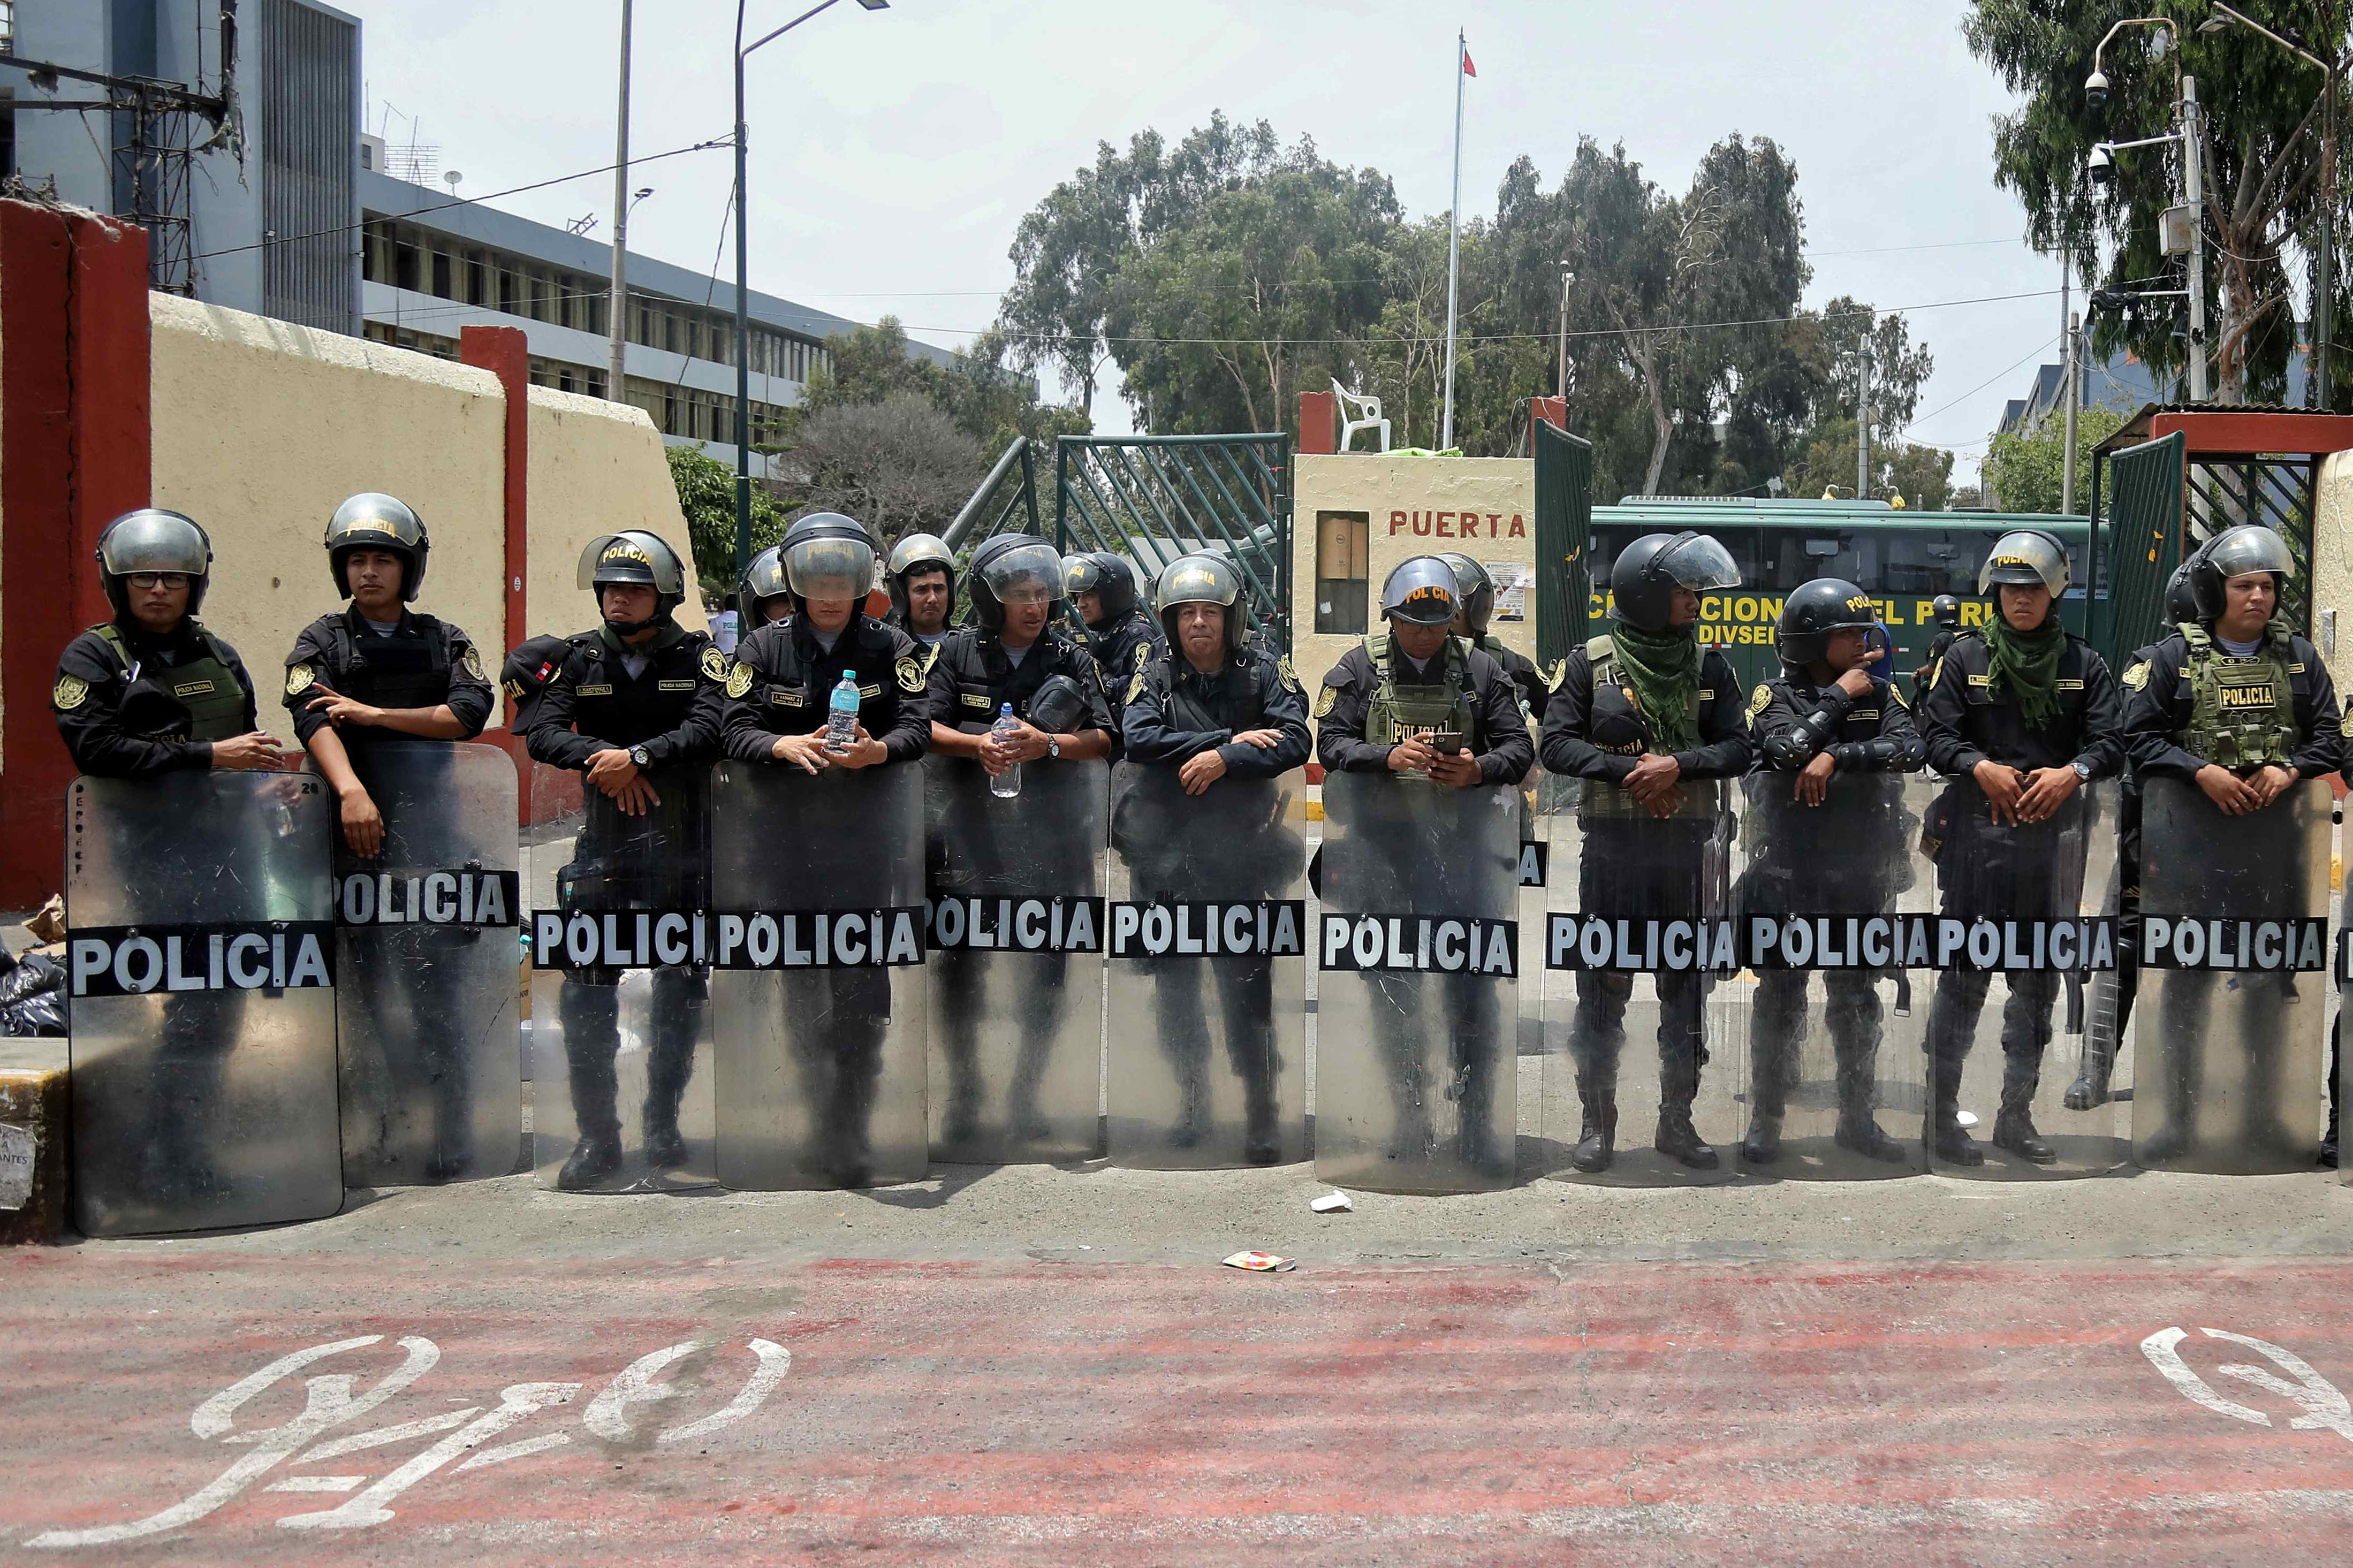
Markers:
<point>2102,167</point>
<point>2095,89</point>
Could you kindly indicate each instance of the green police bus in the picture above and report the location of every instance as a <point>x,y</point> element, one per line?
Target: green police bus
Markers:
<point>1904,560</point>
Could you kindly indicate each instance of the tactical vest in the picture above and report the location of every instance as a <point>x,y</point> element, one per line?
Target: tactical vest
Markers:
<point>1187,711</point>
<point>1601,800</point>
<point>1398,711</point>
<point>394,672</point>
<point>2242,710</point>
<point>199,700</point>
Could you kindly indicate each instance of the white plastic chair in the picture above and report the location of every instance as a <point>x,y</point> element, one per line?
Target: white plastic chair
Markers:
<point>1368,417</point>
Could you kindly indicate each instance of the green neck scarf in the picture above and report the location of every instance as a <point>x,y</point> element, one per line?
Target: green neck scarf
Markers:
<point>1664,669</point>
<point>2026,664</point>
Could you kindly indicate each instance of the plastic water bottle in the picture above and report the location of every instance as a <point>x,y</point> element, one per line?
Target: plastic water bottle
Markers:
<point>841,714</point>
<point>1008,784</point>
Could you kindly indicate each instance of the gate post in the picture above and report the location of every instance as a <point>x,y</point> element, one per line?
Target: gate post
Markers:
<point>1319,422</point>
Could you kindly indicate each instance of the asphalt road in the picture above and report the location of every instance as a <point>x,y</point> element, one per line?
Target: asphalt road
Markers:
<point>1048,1366</point>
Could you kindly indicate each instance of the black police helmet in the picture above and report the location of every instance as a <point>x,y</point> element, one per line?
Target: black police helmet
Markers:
<point>2237,553</point>
<point>153,540</point>
<point>918,552</point>
<point>763,580</point>
<point>1644,577</point>
<point>2181,596</point>
<point>1422,592</point>
<point>1203,578</point>
<point>373,521</point>
<point>1816,609</point>
<point>1947,611</point>
<point>828,556</point>
<point>1105,575</point>
<point>638,557</point>
<point>1007,560</point>
<point>1478,591</point>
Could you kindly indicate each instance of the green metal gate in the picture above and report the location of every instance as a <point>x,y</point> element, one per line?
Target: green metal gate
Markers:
<point>1563,544</point>
<point>2147,484</point>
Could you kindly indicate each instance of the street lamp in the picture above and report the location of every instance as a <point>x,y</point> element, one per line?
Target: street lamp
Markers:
<point>2102,169</point>
<point>2324,309</point>
<point>742,282</point>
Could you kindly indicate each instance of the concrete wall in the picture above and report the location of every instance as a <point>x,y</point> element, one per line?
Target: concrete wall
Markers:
<point>2332,568</point>
<point>1480,507</point>
<point>260,428</point>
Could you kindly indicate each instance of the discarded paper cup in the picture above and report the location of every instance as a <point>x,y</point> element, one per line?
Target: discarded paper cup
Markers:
<point>1259,1262</point>
<point>1332,1203</point>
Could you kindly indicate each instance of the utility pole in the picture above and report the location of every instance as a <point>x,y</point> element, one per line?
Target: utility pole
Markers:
<point>1560,384</point>
<point>1453,249</point>
<point>2074,401</point>
<point>2193,186</point>
<point>617,304</point>
<point>2321,390</point>
<point>1862,419</point>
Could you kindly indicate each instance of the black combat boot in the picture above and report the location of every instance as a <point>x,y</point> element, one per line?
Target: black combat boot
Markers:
<point>1597,1143</point>
<point>1767,1101</point>
<point>2013,1127</point>
<point>1858,1127</point>
<point>1948,1140</point>
<point>588,1014</point>
<point>1676,1138</point>
<point>669,1065</point>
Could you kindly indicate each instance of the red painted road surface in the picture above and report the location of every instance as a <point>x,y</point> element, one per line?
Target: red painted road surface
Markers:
<point>1044,1414</point>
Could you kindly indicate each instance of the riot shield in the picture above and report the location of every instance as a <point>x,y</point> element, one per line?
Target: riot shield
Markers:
<point>1015,968</point>
<point>201,973</point>
<point>2233,1007</point>
<point>1207,947</point>
<point>817,994</point>
<point>620,1036</point>
<point>1635,935</point>
<point>1824,1028</point>
<point>2033,905</point>
<point>425,996</point>
<point>1415,1087</point>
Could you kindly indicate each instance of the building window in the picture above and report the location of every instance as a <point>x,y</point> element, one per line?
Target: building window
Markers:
<point>441,284</point>
<point>477,288</point>
<point>1343,594</point>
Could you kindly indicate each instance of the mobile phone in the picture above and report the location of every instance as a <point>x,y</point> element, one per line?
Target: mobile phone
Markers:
<point>1446,742</point>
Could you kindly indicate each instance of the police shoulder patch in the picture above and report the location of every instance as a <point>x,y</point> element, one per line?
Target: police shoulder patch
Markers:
<point>1760,701</point>
<point>473,661</point>
<point>1288,675</point>
<point>1325,699</point>
<point>739,680</point>
<point>715,664</point>
<point>1555,675</point>
<point>1136,687</point>
<point>2137,676</point>
<point>299,677</point>
<point>1143,655</point>
<point>71,692</point>
<point>911,674</point>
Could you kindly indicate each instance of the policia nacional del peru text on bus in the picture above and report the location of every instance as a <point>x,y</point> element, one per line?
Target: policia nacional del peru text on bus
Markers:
<point>990,853</point>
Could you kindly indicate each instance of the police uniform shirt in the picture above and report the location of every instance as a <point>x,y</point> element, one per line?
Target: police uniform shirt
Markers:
<point>1500,739</point>
<point>673,706</point>
<point>1521,671</point>
<point>1591,735</point>
<point>1791,721</point>
<point>973,676</point>
<point>783,679</point>
<point>120,728</point>
<point>1121,648</point>
<point>1966,721</point>
<point>2159,698</point>
<point>423,662</point>
<point>1253,690</point>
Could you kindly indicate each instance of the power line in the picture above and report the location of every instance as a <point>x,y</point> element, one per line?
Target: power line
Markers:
<point>2034,353</point>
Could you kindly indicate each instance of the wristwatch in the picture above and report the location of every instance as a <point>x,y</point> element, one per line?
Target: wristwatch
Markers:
<point>641,757</point>
<point>2082,770</point>
<point>1054,747</point>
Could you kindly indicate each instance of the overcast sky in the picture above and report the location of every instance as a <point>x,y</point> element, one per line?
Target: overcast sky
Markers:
<point>893,152</point>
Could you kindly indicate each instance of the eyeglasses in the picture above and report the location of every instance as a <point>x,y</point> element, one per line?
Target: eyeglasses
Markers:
<point>146,581</point>
<point>1026,596</point>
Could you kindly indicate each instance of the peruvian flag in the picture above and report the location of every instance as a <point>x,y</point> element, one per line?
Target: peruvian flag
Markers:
<point>1468,69</point>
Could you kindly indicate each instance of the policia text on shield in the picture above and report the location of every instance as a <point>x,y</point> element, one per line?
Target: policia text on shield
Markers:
<point>769,957</point>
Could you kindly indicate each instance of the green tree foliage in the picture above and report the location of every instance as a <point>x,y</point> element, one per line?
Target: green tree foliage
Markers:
<point>2260,104</point>
<point>706,494</point>
<point>2022,473</point>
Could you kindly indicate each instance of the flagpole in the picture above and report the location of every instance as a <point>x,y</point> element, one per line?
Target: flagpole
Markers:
<point>1453,251</point>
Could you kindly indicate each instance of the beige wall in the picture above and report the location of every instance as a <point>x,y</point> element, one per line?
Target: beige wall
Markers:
<point>1480,507</point>
<point>261,428</point>
<point>2332,568</point>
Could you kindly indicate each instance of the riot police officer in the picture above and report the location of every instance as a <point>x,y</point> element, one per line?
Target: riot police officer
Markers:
<point>636,708</point>
<point>921,577</point>
<point>152,690</point>
<point>2020,714</point>
<point>1638,714</point>
<point>1222,713</point>
<point>1471,623</point>
<point>1013,657</point>
<point>1414,698</point>
<point>2114,990</point>
<point>378,670</point>
<point>762,595</point>
<point>2240,705</point>
<point>1120,635</point>
<point>1945,611</point>
<point>779,692</point>
<point>1826,729</point>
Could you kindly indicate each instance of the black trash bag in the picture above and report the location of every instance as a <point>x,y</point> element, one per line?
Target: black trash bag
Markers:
<point>35,974</point>
<point>41,1014</point>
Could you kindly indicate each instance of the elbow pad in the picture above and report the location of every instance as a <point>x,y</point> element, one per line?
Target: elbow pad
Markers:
<point>1881,755</point>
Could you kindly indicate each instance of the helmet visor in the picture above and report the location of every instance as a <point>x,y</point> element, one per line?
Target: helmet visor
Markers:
<point>829,568</point>
<point>2027,558</point>
<point>631,557</point>
<point>154,541</point>
<point>1699,564</point>
<point>375,519</point>
<point>1030,573</point>
<point>919,550</point>
<point>1199,580</point>
<point>1081,574</point>
<point>765,580</point>
<point>2249,549</point>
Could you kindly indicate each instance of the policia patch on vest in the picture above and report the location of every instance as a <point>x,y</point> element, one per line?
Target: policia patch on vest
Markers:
<point>1760,701</point>
<point>714,666</point>
<point>71,692</point>
<point>1288,675</point>
<point>299,677</point>
<point>910,673</point>
<point>1325,700</point>
<point>739,680</point>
